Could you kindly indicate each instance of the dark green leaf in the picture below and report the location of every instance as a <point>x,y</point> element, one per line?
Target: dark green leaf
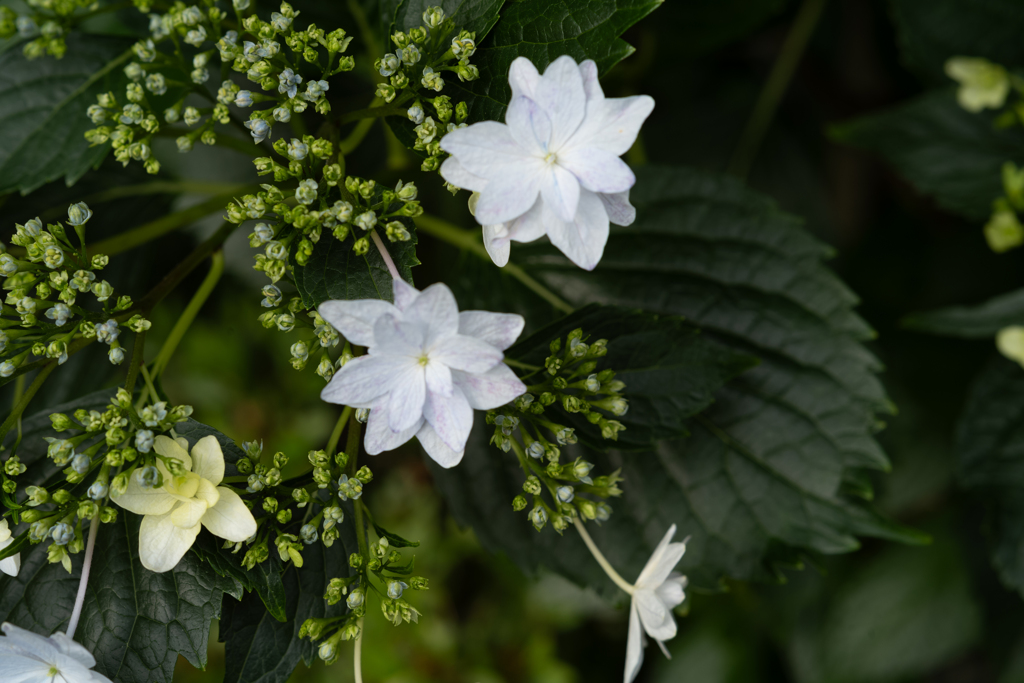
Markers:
<point>334,271</point>
<point>193,431</point>
<point>990,453</point>
<point>669,368</point>
<point>42,110</point>
<point>944,151</point>
<point>135,622</point>
<point>478,16</point>
<point>260,649</point>
<point>972,322</point>
<point>701,26</point>
<point>759,481</point>
<point>394,539</point>
<point>932,31</point>
<point>542,31</point>
<point>264,578</point>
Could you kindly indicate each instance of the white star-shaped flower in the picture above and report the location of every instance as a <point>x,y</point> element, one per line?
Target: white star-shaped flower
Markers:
<point>426,368</point>
<point>553,167</point>
<point>27,657</point>
<point>176,511</point>
<point>9,565</point>
<point>657,591</point>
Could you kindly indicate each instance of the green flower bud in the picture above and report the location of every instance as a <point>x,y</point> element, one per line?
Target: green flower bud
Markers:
<point>61,422</point>
<point>356,561</point>
<point>364,475</point>
<point>284,516</point>
<point>36,496</point>
<point>532,485</point>
<point>519,503</point>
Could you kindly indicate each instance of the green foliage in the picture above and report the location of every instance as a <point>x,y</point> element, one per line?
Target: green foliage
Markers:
<point>42,111</point>
<point>972,322</point>
<point>477,16</point>
<point>670,370</point>
<point>990,453</point>
<point>543,30</point>
<point>945,152</point>
<point>932,31</point>
<point>335,271</point>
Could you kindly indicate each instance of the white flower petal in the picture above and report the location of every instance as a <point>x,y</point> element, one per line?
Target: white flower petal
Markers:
<point>451,417</point>
<point>208,459</point>
<point>523,77</point>
<point>672,592</point>
<point>405,405</point>
<point>11,565</point>
<point>561,192</point>
<point>404,293</point>
<point>663,560</point>
<point>591,86</point>
<point>437,449</point>
<point>21,669</point>
<point>208,492</point>
<point>188,513</point>
<point>394,336</point>
<point>169,448</point>
<point>583,239</point>
<point>560,93</point>
<point>162,543</point>
<point>355,319</point>
<point>361,380</point>
<point>529,125</point>
<point>27,642</point>
<point>530,226</point>
<point>5,532</point>
<point>229,518</point>
<point>618,208</point>
<point>456,174</point>
<point>613,123</point>
<point>491,389</point>
<point>435,311</point>
<point>634,645</point>
<point>439,378</point>
<point>379,437</point>
<point>597,170</point>
<point>513,193</point>
<point>72,649</point>
<point>497,243</point>
<point>500,330</point>
<point>141,500</point>
<point>486,149</point>
<point>468,354</point>
<point>655,616</point>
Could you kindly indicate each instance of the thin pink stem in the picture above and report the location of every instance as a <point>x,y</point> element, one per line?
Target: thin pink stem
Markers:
<point>385,255</point>
<point>90,545</point>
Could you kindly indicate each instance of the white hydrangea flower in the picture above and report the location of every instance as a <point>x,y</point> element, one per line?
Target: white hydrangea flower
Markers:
<point>27,657</point>
<point>175,512</point>
<point>427,368</point>
<point>657,591</point>
<point>553,167</point>
<point>982,83</point>
<point>9,565</point>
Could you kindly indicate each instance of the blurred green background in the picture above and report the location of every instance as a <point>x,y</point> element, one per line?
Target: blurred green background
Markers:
<point>885,613</point>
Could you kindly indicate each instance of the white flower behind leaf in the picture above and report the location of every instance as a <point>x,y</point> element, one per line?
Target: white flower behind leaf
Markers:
<point>27,657</point>
<point>982,83</point>
<point>175,512</point>
<point>553,167</point>
<point>426,369</point>
<point>9,565</point>
<point>657,591</point>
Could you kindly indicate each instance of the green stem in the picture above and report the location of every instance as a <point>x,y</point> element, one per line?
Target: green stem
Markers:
<point>161,226</point>
<point>138,356</point>
<point>464,239</point>
<point>21,405</point>
<point>601,559</point>
<point>181,271</point>
<point>339,427</point>
<point>374,111</point>
<point>349,144</point>
<point>352,449</point>
<point>19,391</point>
<point>372,49</point>
<point>775,87</point>
<point>189,314</point>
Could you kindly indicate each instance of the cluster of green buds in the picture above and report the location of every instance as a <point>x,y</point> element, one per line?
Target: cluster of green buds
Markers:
<point>383,572</point>
<point>429,132</point>
<point>570,384</point>
<point>47,280</point>
<point>1004,230</point>
<point>44,25</point>
<point>99,452</point>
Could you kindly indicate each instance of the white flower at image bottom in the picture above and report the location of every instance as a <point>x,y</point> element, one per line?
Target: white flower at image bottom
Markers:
<point>9,565</point>
<point>657,591</point>
<point>27,657</point>
<point>553,167</point>
<point>175,512</point>
<point>426,369</point>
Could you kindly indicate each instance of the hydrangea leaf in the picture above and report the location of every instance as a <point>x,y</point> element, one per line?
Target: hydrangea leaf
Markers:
<point>761,479</point>
<point>972,322</point>
<point>42,110</point>
<point>932,31</point>
<point>990,454</point>
<point>478,16</point>
<point>261,649</point>
<point>334,271</point>
<point>945,152</point>
<point>670,370</point>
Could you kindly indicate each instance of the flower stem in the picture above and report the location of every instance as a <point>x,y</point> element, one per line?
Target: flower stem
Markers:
<point>358,658</point>
<point>348,145</point>
<point>464,239</point>
<point>189,314</point>
<point>20,406</point>
<point>339,427</point>
<point>90,546</point>
<point>385,255</point>
<point>374,111</point>
<point>181,271</point>
<point>138,358</point>
<point>601,560</point>
<point>775,87</point>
